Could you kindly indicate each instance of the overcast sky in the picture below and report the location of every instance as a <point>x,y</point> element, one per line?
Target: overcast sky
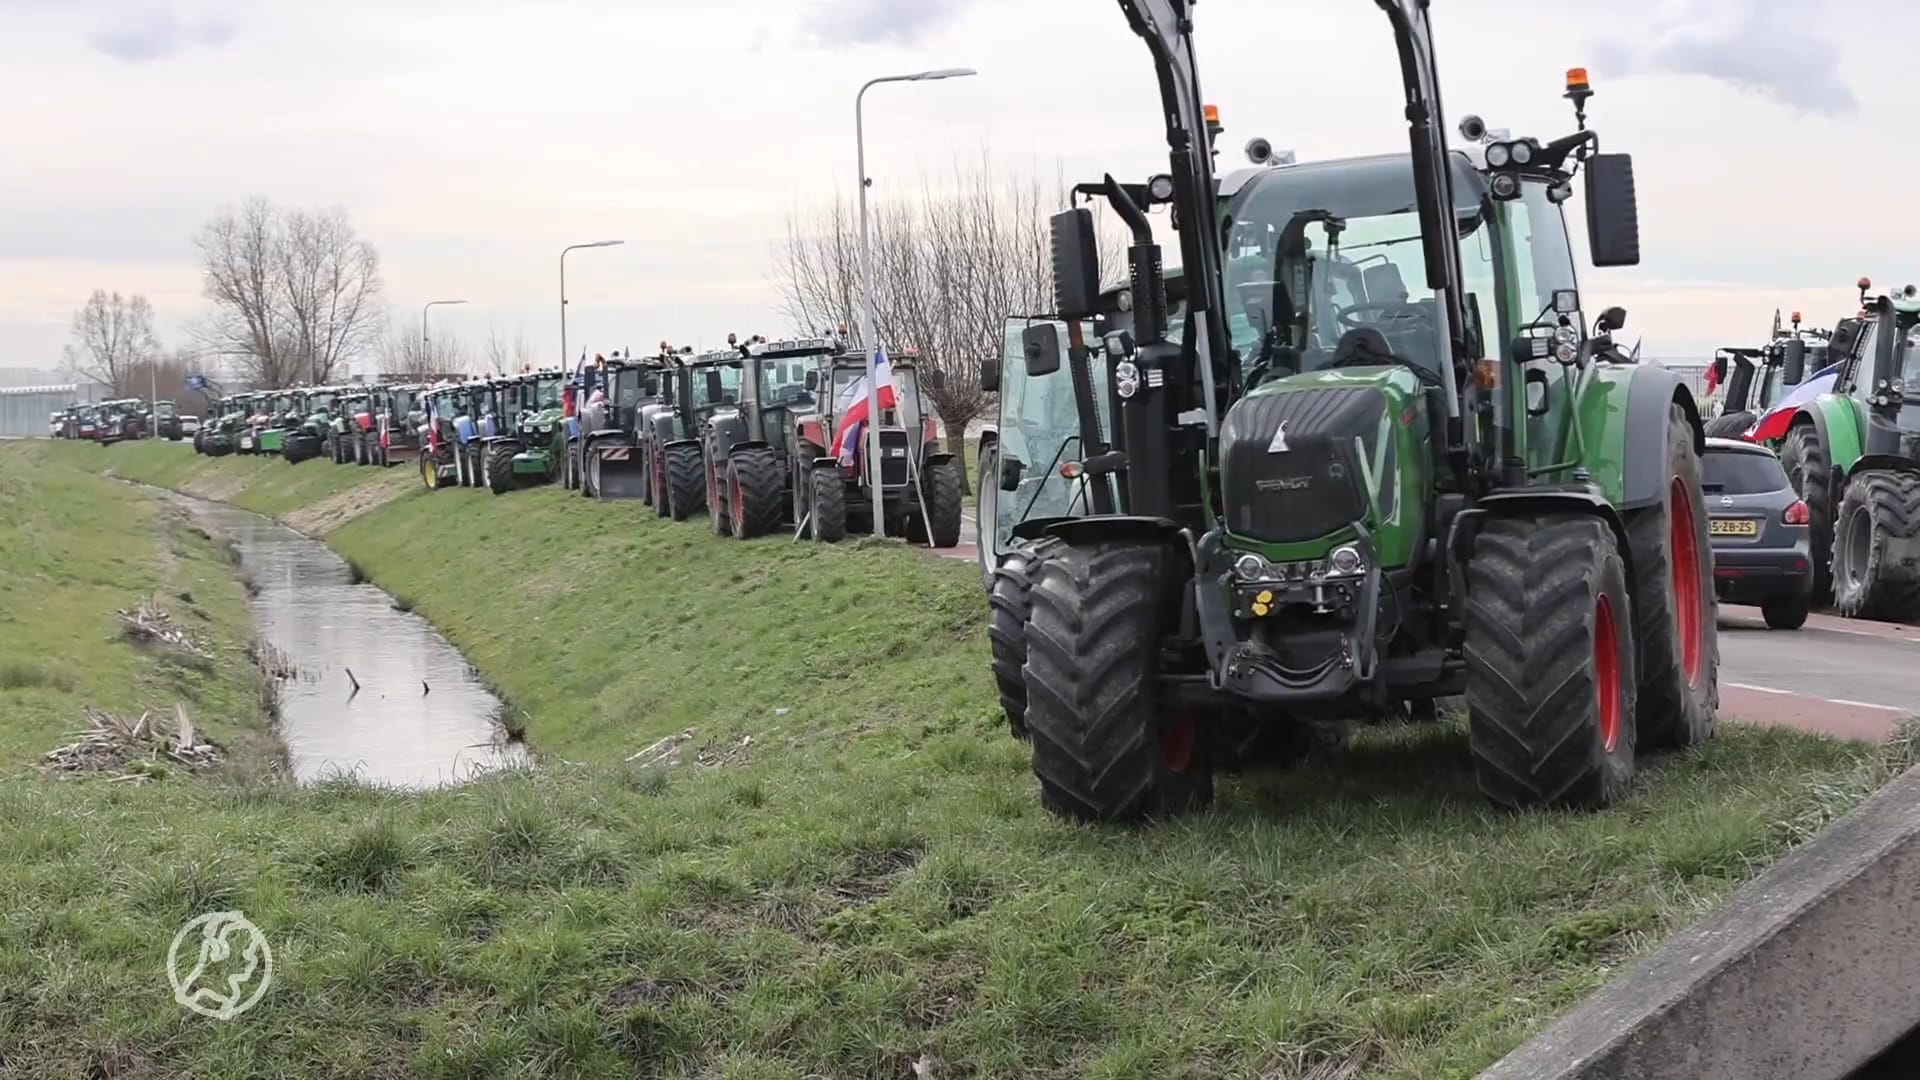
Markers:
<point>471,139</point>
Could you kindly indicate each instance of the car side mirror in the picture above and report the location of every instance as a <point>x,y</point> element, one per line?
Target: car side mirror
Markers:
<point>1794,365</point>
<point>1041,343</point>
<point>1076,264</point>
<point>1613,214</point>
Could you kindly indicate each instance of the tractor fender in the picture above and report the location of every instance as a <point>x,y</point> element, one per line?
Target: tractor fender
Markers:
<point>1884,463</point>
<point>1529,503</point>
<point>938,457</point>
<point>1090,530</point>
<point>729,430</point>
<point>1651,394</point>
<point>989,437</point>
<point>605,433</point>
<point>495,440</point>
<point>668,444</point>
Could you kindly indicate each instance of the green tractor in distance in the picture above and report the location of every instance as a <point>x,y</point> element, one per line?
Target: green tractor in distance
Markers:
<point>1388,459</point>
<point>603,458</point>
<point>693,388</point>
<point>517,427</point>
<point>1853,453</point>
<point>220,435</point>
<point>750,465</point>
<point>279,413</point>
<point>1756,378</point>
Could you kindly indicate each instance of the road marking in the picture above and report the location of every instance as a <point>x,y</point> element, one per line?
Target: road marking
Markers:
<point>1863,704</point>
<point>1761,689</point>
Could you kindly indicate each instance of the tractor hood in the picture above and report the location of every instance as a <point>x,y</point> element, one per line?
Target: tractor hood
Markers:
<point>1306,456</point>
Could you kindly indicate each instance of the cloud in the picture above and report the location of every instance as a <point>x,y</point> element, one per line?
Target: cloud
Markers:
<point>879,22</point>
<point>155,32</point>
<point>1760,47</point>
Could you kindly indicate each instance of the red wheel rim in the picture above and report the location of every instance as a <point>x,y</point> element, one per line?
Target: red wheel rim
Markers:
<point>738,499</point>
<point>659,476</point>
<point>1177,740</point>
<point>1684,548</point>
<point>1606,671</point>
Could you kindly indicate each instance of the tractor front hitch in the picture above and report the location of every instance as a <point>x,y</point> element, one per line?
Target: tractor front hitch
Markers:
<point>1248,668</point>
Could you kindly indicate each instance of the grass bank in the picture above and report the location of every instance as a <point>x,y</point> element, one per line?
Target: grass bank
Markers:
<point>847,873</point>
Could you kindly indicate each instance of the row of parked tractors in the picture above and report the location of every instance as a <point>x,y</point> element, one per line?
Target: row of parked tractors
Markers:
<point>1834,405</point>
<point>118,420</point>
<point>742,435</point>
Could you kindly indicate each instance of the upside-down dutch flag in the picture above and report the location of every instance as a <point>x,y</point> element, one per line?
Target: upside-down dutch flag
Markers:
<point>853,410</point>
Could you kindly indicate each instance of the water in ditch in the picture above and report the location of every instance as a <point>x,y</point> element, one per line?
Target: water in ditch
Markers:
<point>420,716</point>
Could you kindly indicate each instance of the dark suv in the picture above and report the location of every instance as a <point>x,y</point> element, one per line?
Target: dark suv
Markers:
<point>1759,531</point>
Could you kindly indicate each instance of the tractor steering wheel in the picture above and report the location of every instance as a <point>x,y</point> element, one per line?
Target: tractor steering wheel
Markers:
<point>1390,311</point>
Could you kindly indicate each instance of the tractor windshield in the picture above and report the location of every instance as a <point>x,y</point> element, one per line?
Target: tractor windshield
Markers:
<point>708,391</point>
<point>1906,366</point>
<point>546,393</point>
<point>784,382</point>
<point>166,410</point>
<point>632,384</point>
<point>320,402</point>
<point>1324,266</point>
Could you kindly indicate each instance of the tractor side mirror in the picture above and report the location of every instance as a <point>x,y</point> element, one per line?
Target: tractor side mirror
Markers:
<point>1538,395</point>
<point>936,379</point>
<point>1613,214</point>
<point>1076,264</point>
<point>1010,470</point>
<point>813,379</point>
<point>1041,343</point>
<point>715,390</point>
<point>1720,369</point>
<point>990,374</point>
<point>1614,318</point>
<point>1794,366</point>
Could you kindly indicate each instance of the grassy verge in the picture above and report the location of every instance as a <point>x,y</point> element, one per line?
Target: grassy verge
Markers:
<point>848,872</point>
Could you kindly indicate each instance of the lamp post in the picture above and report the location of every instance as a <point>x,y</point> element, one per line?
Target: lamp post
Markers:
<point>426,352</point>
<point>563,290</point>
<point>870,459</point>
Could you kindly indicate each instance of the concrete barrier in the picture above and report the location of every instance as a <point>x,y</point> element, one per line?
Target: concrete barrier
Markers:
<point>1806,973</point>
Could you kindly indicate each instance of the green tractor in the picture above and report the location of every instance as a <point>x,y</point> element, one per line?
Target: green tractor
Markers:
<point>220,434</point>
<point>519,418</point>
<point>750,464</point>
<point>1755,379</point>
<point>279,414</point>
<point>1853,453</point>
<point>1387,459</point>
<point>692,389</point>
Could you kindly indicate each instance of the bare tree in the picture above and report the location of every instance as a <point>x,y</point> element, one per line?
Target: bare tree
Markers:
<point>295,293</point>
<point>112,336</point>
<point>407,353</point>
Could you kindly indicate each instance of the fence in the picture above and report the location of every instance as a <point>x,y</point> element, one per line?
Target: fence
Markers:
<point>24,410</point>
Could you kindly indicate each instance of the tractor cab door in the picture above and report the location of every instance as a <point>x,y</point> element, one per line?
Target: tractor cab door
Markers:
<point>1038,430</point>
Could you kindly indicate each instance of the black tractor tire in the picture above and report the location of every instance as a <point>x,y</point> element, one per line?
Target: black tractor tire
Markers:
<point>719,495</point>
<point>686,482</point>
<point>1786,612</point>
<point>1804,455</point>
<point>1675,606</point>
<point>662,488</point>
<point>1876,548</point>
<point>500,467</point>
<point>758,489</point>
<point>826,504</point>
<point>1730,425</point>
<point>1550,680</point>
<point>1007,610</point>
<point>589,478</point>
<point>1102,749</point>
<point>942,486</point>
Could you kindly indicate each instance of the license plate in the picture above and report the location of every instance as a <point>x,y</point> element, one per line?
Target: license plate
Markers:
<point>1733,527</point>
<point>897,452</point>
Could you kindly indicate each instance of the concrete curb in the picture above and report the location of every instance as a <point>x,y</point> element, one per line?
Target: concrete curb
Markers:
<point>1806,973</point>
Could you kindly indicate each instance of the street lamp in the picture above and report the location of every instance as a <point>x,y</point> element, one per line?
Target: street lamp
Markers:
<point>870,459</point>
<point>426,352</point>
<point>563,289</point>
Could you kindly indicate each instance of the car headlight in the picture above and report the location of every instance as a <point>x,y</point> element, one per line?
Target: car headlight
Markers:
<point>1346,562</point>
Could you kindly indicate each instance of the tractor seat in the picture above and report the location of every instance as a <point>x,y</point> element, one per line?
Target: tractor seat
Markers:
<point>1362,345</point>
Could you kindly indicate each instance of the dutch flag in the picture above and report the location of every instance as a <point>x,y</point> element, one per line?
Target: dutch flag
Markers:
<point>853,410</point>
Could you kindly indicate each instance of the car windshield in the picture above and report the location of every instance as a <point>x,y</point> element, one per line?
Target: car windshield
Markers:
<point>1741,472</point>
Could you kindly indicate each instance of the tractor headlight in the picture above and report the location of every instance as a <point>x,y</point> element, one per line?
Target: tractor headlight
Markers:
<point>1522,152</point>
<point>1126,378</point>
<point>1498,155</point>
<point>1505,186</point>
<point>1346,562</point>
<point>1251,567</point>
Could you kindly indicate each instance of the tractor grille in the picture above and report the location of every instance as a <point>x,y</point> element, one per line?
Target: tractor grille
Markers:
<point>1315,485</point>
<point>895,459</point>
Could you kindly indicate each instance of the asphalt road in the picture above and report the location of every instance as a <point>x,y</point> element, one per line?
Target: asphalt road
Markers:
<point>1842,677</point>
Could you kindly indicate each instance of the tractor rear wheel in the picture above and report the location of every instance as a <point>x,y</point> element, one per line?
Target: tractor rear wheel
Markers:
<point>662,491</point>
<point>1804,456</point>
<point>1675,607</point>
<point>940,485</point>
<point>826,504</point>
<point>1550,682</point>
<point>1730,425</point>
<point>719,496</point>
<point>1876,550</point>
<point>500,468</point>
<point>1007,610</point>
<point>685,485</point>
<point>1102,749</point>
<point>589,478</point>
<point>757,491</point>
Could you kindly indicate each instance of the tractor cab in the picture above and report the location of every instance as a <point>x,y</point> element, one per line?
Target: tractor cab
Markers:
<point>750,465</point>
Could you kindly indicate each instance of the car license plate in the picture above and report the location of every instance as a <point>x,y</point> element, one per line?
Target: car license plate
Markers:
<point>1734,527</point>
